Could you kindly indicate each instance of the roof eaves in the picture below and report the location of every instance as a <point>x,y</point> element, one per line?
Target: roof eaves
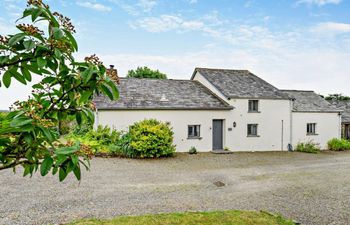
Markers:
<point>167,108</point>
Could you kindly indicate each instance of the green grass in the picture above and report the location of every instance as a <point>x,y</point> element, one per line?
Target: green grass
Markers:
<point>193,218</point>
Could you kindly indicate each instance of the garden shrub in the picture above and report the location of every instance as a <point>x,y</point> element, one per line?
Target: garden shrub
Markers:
<point>101,140</point>
<point>192,150</point>
<point>336,144</point>
<point>148,139</point>
<point>308,147</point>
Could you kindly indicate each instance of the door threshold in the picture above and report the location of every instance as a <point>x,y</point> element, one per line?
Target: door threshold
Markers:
<point>221,151</point>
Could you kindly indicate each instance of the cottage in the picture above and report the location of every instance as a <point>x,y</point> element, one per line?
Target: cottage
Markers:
<point>219,108</point>
<point>345,118</point>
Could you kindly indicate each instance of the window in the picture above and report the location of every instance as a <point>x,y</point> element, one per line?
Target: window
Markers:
<point>311,128</point>
<point>194,131</point>
<point>253,106</point>
<point>252,130</point>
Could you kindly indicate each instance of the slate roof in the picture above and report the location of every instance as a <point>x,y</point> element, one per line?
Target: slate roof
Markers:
<point>240,84</point>
<point>309,101</point>
<point>345,106</point>
<point>162,94</point>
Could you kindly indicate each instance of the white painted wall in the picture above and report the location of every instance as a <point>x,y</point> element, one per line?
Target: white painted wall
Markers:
<point>328,126</point>
<point>269,120</point>
<point>179,120</point>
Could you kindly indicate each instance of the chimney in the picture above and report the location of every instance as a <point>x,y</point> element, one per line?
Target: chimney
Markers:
<point>113,74</point>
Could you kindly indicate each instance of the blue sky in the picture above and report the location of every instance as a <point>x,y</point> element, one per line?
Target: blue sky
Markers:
<point>293,44</point>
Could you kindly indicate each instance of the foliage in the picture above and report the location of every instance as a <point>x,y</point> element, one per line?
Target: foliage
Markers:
<point>3,115</point>
<point>307,147</point>
<point>339,97</point>
<point>205,218</point>
<point>101,140</point>
<point>145,72</point>
<point>338,144</point>
<point>27,135</point>
<point>192,150</point>
<point>148,139</point>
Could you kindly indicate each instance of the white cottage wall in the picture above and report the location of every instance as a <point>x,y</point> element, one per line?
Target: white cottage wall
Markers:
<point>178,119</point>
<point>328,126</point>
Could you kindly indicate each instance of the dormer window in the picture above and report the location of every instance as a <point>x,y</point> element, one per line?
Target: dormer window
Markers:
<point>253,106</point>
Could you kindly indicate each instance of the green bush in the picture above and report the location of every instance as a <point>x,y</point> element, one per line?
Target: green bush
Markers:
<point>101,140</point>
<point>308,147</point>
<point>338,144</point>
<point>3,115</point>
<point>192,150</point>
<point>148,139</point>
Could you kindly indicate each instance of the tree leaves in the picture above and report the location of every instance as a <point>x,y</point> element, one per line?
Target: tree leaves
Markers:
<point>6,79</point>
<point>46,166</point>
<point>16,38</point>
<point>65,91</point>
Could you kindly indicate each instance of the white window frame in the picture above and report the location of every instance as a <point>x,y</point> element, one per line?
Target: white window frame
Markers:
<point>252,127</point>
<point>195,132</point>
<point>253,105</point>
<point>311,128</point>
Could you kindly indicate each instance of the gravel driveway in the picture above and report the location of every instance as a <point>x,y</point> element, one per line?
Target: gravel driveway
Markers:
<point>312,189</point>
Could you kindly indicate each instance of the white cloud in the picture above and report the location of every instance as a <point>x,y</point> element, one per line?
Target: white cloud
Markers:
<point>319,2</point>
<point>146,5</point>
<point>95,6</point>
<point>136,8</point>
<point>165,23</point>
<point>331,28</point>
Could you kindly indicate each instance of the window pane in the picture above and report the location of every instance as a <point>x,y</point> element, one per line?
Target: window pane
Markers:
<point>190,130</point>
<point>193,130</point>
<point>253,105</point>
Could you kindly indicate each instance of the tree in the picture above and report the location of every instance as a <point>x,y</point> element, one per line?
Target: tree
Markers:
<point>28,134</point>
<point>337,97</point>
<point>145,72</point>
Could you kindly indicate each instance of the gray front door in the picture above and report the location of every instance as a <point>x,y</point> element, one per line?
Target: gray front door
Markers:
<point>217,134</point>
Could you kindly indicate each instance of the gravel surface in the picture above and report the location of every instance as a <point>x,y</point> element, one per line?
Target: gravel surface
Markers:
<point>311,189</point>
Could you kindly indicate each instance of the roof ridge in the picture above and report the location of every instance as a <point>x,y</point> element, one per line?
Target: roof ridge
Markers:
<point>220,69</point>
<point>294,90</point>
<point>169,79</point>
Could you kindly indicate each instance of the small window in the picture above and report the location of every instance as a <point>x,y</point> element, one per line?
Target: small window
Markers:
<point>194,131</point>
<point>311,128</point>
<point>253,106</point>
<point>252,130</point>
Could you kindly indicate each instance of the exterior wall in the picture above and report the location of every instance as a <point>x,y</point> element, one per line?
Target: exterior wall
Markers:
<point>273,134</point>
<point>269,120</point>
<point>328,126</point>
<point>179,120</point>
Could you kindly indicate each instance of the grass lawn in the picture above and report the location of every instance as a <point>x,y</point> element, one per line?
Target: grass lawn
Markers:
<point>193,218</point>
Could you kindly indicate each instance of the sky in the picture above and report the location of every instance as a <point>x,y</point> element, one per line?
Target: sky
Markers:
<point>292,44</point>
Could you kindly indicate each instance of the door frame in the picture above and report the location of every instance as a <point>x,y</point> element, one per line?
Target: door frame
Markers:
<point>222,134</point>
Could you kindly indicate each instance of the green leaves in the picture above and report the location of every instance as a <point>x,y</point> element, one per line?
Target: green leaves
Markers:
<point>67,150</point>
<point>6,79</point>
<point>41,62</point>
<point>46,166</point>
<point>29,133</point>
<point>20,121</point>
<point>36,13</point>
<point>26,74</point>
<point>16,38</point>
<point>71,39</point>
<point>57,33</point>
<point>29,45</point>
